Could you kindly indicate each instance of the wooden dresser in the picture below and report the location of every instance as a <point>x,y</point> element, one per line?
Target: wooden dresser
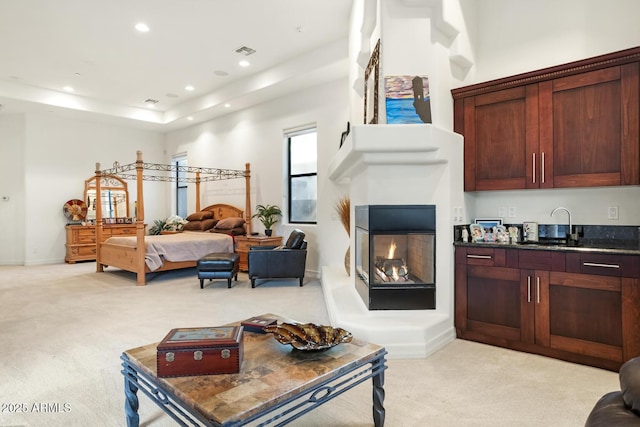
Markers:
<point>81,239</point>
<point>244,243</point>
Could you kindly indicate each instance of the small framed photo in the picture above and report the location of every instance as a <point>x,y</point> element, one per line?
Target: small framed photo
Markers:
<point>488,222</point>
<point>530,231</point>
<point>477,232</point>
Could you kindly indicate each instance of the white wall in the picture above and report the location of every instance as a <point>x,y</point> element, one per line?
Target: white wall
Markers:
<point>255,135</point>
<point>59,154</point>
<point>516,36</point>
<point>12,195</point>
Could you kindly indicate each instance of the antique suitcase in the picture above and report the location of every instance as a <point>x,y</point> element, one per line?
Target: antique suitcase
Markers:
<point>200,351</point>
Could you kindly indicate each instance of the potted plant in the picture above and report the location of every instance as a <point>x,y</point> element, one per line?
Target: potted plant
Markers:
<point>268,215</point>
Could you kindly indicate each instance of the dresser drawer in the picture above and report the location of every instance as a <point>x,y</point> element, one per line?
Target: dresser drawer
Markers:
<point>84,251</point>
<point>123,231</point>
<point>243,245</point>
<point>84,236</point>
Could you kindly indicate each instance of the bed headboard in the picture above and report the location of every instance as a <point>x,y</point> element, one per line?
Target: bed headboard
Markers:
<point>221,211</point>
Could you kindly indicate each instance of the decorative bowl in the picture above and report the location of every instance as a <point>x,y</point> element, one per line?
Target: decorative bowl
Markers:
<point>308,336</point>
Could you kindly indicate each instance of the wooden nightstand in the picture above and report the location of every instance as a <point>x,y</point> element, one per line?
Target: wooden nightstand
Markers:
<point>244,243</point>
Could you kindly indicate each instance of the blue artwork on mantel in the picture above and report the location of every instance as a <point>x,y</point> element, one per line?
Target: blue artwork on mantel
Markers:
<point>407,99</point>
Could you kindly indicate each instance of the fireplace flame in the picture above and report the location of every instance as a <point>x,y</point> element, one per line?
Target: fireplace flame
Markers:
<point>394,274</point>
<point>392,250</point>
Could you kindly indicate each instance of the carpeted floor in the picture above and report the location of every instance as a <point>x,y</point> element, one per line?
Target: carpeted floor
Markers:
<point>63,328</point>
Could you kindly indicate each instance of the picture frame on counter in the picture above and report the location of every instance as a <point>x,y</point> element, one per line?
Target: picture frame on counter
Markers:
<point>488,222</point>
<point>477,232</point>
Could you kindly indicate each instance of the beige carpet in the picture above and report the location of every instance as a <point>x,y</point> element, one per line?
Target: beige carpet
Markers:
<point>63,328</point>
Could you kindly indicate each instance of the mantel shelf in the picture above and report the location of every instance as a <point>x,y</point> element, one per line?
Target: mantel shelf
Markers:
<point>366,145</point>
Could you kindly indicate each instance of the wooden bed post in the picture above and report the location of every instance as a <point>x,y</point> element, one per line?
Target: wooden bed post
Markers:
<point>198,191</point>
<point>247,189</point>
<point>98,206</point>
<point>140,231</point>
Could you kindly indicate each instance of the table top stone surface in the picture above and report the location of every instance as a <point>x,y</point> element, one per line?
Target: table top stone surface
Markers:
<point>269,374</point>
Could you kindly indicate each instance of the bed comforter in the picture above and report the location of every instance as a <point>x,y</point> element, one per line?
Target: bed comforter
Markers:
<point>185,246</point>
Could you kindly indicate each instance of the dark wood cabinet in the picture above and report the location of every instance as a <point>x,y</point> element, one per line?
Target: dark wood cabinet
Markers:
<point>550,302</point>
<point>501,131</point>
<point>575,125</point>
<point>589,128</point>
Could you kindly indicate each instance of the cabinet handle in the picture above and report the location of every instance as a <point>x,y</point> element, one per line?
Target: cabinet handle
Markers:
<point>528,288</point>
<point>542,166</point>
<point>533,169</point>
<point>538,290</point>
<point>479,256</point>
<point>596,264</point>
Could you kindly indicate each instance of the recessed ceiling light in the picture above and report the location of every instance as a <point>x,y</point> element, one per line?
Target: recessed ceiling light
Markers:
<point>68,89</point>
<point>244,63</point>
<point>189,88</point>
<point>189,118</point>
<point>227,105</point>
<point>142,27</point>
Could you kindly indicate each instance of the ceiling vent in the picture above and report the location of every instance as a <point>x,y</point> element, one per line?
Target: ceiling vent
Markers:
<point>246,51</point>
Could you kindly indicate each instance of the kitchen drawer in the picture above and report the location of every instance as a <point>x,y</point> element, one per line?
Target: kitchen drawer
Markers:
<point>490,257</point>
<point>604,264</point>
<point>541,260</point>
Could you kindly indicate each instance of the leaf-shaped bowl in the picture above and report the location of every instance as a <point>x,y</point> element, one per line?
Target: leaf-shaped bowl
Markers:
<point>308,336</point>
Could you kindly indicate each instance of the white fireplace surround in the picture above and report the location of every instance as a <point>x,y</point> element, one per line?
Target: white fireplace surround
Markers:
<point>393,165</point>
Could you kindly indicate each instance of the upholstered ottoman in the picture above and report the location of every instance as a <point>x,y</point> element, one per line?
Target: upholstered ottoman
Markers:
<point>222,265</point>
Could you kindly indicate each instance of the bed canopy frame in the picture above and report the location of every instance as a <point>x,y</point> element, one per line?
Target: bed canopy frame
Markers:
<point>136,171</point>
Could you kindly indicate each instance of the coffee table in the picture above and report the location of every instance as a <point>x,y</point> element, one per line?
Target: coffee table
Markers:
<point>276,384</point>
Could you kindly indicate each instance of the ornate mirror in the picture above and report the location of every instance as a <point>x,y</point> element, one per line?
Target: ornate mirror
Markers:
<point>114,197</point>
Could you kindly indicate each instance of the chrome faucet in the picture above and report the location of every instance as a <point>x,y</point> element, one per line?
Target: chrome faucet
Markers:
<point>570,232</point>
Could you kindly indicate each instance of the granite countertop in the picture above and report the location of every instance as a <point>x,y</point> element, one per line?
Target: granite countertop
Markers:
<point>602,248</point>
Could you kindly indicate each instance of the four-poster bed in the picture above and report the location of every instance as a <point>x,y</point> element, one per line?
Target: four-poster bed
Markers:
<point>187,247</point>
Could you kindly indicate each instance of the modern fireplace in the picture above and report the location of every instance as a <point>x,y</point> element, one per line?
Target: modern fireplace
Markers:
<point>395,256</point>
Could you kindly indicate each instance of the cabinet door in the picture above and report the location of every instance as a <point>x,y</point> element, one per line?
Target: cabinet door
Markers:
<point>589,128</point>
<point>493,302</point>
<point>535,306</point>
<point>584,314</point>
<point>501,138</point>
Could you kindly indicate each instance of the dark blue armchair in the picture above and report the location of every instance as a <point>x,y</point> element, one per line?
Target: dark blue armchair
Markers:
<point>281,262</point>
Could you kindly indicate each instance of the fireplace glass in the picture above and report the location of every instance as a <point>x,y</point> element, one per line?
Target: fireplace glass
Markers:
<point>395,256</point>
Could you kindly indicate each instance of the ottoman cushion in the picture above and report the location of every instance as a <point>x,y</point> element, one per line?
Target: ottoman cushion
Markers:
<point>218,262</point>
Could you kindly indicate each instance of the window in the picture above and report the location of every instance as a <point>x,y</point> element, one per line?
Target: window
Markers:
<point>181,185</point>
<point>303,175</point>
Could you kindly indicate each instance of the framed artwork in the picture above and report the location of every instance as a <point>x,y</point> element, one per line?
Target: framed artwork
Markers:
<point>407,99</point>
<point>371,79</point>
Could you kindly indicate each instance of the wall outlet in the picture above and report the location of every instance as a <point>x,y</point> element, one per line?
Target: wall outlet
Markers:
<point>512,212</point>
<point>612,212</point>
<point>502,211</point>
